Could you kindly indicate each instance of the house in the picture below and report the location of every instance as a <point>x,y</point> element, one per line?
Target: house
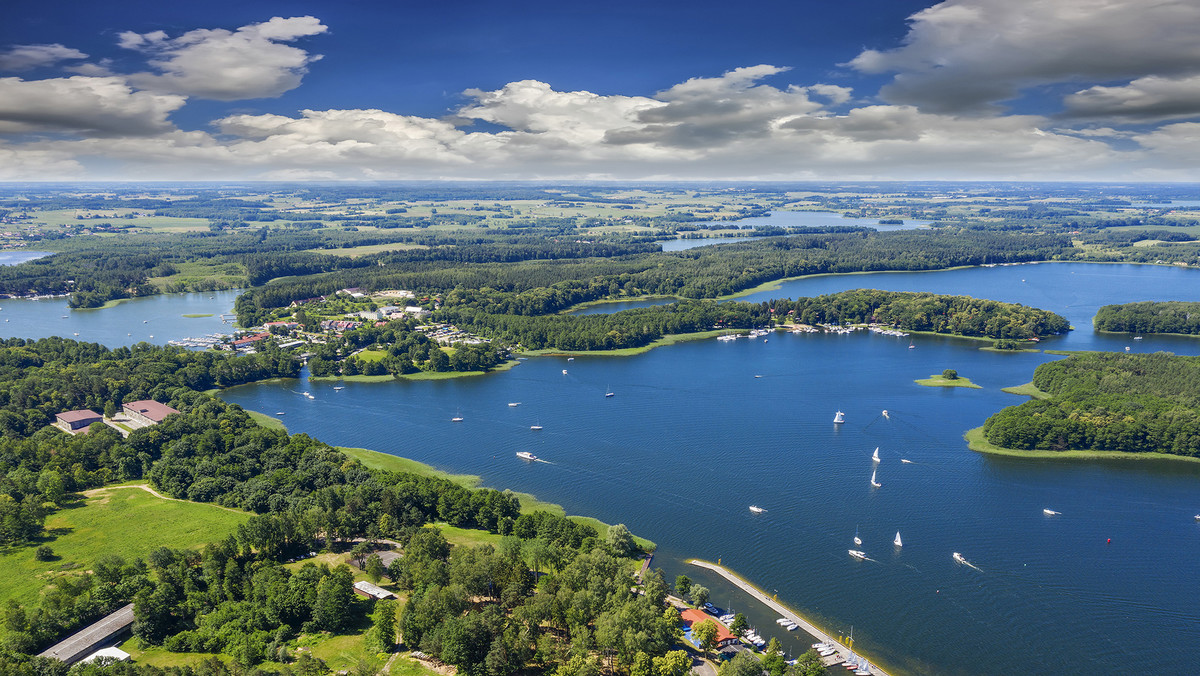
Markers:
<point>693,616</point>
<point>416,311</point>
<point>90,639</point>
<point>147,412</point>
<point>243,343</point>
<point>370,591</point>
<point>76,422</point>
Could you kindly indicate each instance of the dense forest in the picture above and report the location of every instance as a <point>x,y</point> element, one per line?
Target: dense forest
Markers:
<point>1108,401</point>
<point>1149,317</point>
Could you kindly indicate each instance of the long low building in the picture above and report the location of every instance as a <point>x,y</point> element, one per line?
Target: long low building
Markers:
<point>90,639</point>
<point>73,421</point>
<point>148,411</point>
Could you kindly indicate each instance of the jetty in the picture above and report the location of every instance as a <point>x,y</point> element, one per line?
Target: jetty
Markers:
<point>844,651</point>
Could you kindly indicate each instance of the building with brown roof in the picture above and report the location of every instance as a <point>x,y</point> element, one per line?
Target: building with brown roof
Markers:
<point>147,412</point>
<point>692,617</point>
<point>77,421</point>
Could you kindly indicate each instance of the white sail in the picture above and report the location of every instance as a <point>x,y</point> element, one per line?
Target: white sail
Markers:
<point>874,483</point>
<point>875,456</point>
<point>857,540</point>
<point>897,541</point>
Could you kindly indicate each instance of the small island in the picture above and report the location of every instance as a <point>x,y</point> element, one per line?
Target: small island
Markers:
<point>947,378</point>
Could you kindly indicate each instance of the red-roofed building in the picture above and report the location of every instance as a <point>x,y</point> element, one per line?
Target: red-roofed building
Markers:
<point>250,340</point>
<point>148,412</point>
<point>692,616</point>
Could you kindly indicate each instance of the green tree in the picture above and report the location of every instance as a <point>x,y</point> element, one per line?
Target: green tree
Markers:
<point>698,594</point>
<point>739,624</point>
<point>674,663</point>
<point>773,660</point>
<point>335,597</point>
<point>950,374</point>
<point>742,664</point>
<point>620,539</point>
<point>809,664</point>
<point>375,569</point>
<point>683,585</point>
<point>382,634</point>
<point>705,633</point>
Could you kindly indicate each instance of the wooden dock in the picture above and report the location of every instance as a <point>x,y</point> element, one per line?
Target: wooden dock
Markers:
<point>783,611</point>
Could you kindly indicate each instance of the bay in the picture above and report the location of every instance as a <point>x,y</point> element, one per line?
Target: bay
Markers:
<point>797,220</point>
<point>693,437</point>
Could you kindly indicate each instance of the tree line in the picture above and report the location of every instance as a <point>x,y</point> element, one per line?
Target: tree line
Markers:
<point>1149,317</point>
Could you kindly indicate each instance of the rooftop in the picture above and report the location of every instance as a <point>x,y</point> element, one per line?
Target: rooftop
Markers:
<point>76,416</point>
<point>151,409</point>
<point>76,644</point>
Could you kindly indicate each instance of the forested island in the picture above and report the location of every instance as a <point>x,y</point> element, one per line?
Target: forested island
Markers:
<point>1150,317</point>
<point>1107,401</point>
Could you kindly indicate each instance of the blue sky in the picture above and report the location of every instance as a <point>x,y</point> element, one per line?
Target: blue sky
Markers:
<point>879,89</point>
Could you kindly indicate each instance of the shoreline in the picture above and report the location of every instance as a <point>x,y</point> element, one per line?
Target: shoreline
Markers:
<point>753,590</point>
<point>976,442</point>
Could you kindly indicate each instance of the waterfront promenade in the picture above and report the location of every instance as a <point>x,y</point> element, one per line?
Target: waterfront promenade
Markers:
<point>783,611</point>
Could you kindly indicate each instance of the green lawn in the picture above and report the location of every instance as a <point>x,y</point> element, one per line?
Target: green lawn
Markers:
<point>393,463</point>
<point>267,421</point>
<point>121,520</point>
<point>938,380</point>
<point>1028,390</point>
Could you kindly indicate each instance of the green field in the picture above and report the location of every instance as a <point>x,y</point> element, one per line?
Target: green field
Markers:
<point>122,520</point>
<point>1028,390</point>
<point>976,441</point>
<point>356,251</point>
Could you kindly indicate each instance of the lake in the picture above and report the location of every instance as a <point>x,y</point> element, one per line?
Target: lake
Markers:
<point>791,219</point>
<point>698,431</point>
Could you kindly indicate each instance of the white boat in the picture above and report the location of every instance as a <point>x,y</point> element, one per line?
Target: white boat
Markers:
<point>839,418</point>
<point>791,626</point>
<point>279,413</point>
<point>1050,512</point>
<point>1137,337</point>
<point>782,621</point>
<point>857,553</point>
<point>756,509</point>
<point>608,392</point>
<point>570,358</point>
<point>1198,517</point>
<point>526,455</point>
<point>826,652</point>
<point>514,404</point>
<point>535,427</point>
<point>906,461</point>
<point>875,455</point>
<point>457,418</point>
<point>564,372</point>
<point>897,541</point>
<point>885,413</point>
<point>339,387</point>
<point>959,558</point>
<point>857,540</point>
<point>874,483</point>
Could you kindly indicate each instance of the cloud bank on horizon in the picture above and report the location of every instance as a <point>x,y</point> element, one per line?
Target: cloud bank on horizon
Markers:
<point>1122,79</point>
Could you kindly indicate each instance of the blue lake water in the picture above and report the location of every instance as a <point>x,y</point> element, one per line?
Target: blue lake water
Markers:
<point>13,257</point>
<point>693,437</point>
<point>791,219</point>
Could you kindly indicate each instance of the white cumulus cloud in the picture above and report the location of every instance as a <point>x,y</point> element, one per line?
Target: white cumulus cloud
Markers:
<point>968,55</point>
<point>79,104</point>
<point>250,62</point>
<point>27,57</point>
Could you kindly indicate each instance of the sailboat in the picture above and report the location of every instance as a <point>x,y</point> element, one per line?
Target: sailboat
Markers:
<point>857,540</point>
<point>897,541</point>
<point>875,456</point>
<point>874,483</point>
<point>608,392</point>
<point>839,418</point>
<point>457,417</point>
<point>538,426</point>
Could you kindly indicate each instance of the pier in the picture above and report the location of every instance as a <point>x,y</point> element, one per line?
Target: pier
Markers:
<point>783,611</point>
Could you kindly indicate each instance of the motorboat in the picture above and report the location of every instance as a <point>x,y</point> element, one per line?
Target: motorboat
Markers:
<point>906,461</point>
<point>839,418</point>
<point>535,427</point>
<point>1050,512</point>
<point>514,404</point>
<point>756,509</point>
<point>959,558</point>
<point>857,554</point>
<point>526,455</point>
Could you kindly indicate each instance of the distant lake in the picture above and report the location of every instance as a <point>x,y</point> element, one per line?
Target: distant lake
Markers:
<point>791,219</point>
<point>13,257</point>
<point>700,430</point>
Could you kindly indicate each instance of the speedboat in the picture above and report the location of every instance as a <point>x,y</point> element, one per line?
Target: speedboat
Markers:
<point>959,558</point>
<point>535,427</point>
<point>1050,512</point>
<point>456,418</point>
<point>857,554</point>
<point>514,404</point>
<point>756,509</point>
<point>564,372</point>
<point>526,455</point>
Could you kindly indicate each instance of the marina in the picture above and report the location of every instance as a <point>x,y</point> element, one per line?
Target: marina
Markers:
<point>838,652</point>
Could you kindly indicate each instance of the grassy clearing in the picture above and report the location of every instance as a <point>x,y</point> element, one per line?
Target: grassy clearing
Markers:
<point>977,442</point>
<point>371,355</point>
<point>1028,390</point>
<point>267,421</point>
<point>467,537</point>
<point>122,520</point>
<point>406,666</point>
<point>190,273</point>
<point>629,351</point>
<point>938,380</point>
<point>162,658</point>
<point>392,463</point>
